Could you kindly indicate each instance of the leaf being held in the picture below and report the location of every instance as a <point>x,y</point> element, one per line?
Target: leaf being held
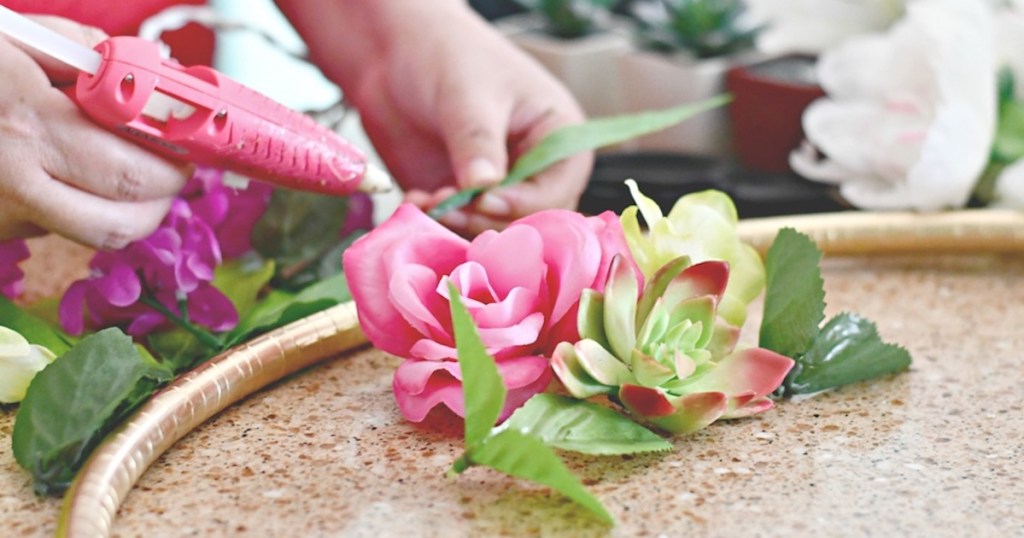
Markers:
<point>847,350</point>
<point>573,139</point>
<point>794,301</point>
<point>581,426</point>
<point>523,456</point>
<point>74,402</point>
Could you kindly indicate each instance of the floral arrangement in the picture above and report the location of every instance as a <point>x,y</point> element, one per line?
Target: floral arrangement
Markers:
<point>516,331</point>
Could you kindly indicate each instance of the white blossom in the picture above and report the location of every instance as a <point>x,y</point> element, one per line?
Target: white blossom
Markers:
<point>910,115</point>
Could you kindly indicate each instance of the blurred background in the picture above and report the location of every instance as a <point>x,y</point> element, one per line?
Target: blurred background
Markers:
<point>866,143</point>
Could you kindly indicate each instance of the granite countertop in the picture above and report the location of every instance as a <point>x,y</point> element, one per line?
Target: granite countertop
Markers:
<point>936,451</point>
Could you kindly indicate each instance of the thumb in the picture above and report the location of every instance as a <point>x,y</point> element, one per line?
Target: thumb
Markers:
<point>87,36</point>
<point>475,138</point>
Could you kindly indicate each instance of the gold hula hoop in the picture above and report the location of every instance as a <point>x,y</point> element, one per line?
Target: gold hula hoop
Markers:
<point>92,502</point>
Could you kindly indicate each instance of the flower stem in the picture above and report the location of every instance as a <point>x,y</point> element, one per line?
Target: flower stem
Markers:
<point>204,337</point>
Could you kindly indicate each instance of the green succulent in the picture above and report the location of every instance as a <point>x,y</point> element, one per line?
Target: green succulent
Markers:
<point>701,226</point>
<point>664,354</point>
<point>707,28</point>
<point>570,18</point>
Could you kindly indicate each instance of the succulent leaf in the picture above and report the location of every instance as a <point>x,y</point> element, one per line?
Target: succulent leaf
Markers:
<point>699,311</point>
<point>656,286</point>
<point>620,300</point>
<point>575,379</point>
<point>601,365</point>
<point>590,320</point>
<point>694,412</point>
<point>649,372</point>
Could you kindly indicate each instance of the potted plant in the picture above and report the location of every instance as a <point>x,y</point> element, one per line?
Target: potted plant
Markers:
<point>686,47</point>
<point>579,42</point>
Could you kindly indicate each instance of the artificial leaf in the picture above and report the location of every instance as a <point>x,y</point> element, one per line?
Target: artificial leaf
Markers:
<point>482,388</point>
<point>299,227</point>
<point>523,456</point>
<point>794,301</point>
<point>581,426</point>
<point>178,349</point>
<point>574,139</point>
<point>33,328</point>
<point>242,281</point>
<point>847,350</point>
<point>279,308</point>
<point>328,266</point>
<point>75,401</point>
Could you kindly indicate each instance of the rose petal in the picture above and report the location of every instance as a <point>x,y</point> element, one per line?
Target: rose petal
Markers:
<point>512,258</point>
<point>407,237</point>
<point>420,386</point>
<point>571,254</point>
<point>413,293</point>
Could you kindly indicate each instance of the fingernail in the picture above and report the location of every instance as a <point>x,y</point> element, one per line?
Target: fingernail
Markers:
<point>494,205</point>
<point>481,171</point>
<point>455,220</point>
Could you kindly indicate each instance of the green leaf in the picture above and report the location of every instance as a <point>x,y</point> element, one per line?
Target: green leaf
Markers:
<point>794,301</point>
<point>242,281</point>
<point>847,350</point>
<point>178,349</point>
<point>482,388</point>
<point>34,329</point>
<point>573,139</point>
<point>280,308</point>
<point>581,426</point>
<point>298,228</point>
<point>522,456</point>
<point>75,401</point>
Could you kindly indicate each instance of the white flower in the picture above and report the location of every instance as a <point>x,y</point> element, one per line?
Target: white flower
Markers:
<point>911,113</point>
<point>19,363</point>
<point>812,26</point>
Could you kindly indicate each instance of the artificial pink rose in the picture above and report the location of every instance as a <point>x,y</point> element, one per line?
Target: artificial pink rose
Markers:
<point>522,287</point>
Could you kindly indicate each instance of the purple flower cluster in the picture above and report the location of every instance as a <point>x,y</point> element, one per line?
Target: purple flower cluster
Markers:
<point>174,266</point>
<point>12,252</point>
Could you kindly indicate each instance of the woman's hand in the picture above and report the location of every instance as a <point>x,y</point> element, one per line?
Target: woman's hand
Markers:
<point>60,172</point>
<point>447,102</point>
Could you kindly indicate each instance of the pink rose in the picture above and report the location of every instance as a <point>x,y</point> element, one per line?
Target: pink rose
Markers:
<point>521,285</point>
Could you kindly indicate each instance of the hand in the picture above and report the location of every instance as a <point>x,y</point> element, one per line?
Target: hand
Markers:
<point>60,172</point>
<point>447,102</point>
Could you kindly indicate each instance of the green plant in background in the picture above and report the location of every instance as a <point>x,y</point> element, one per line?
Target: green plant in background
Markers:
<point>570,18</point>
<point>707,28</point>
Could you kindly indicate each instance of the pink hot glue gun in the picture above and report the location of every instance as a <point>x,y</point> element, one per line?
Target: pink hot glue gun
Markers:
<point>200,115</point>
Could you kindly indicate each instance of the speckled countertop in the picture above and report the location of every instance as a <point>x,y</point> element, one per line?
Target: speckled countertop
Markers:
<point>933,452</point>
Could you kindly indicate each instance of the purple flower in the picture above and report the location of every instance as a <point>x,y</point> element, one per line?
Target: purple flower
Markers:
<point>360,214</point>
<point>231,213</point>
<point>12,252</point>
<point>175,265</point>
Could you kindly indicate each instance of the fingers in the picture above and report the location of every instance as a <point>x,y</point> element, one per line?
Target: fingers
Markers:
<point>475,135</point>
<point>88,219</point>
<point>88,36</point>
<point>560,186</point>
<point>94,160</point>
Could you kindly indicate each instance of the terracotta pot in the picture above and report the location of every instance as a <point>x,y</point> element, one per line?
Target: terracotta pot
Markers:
<point>769,99</point>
